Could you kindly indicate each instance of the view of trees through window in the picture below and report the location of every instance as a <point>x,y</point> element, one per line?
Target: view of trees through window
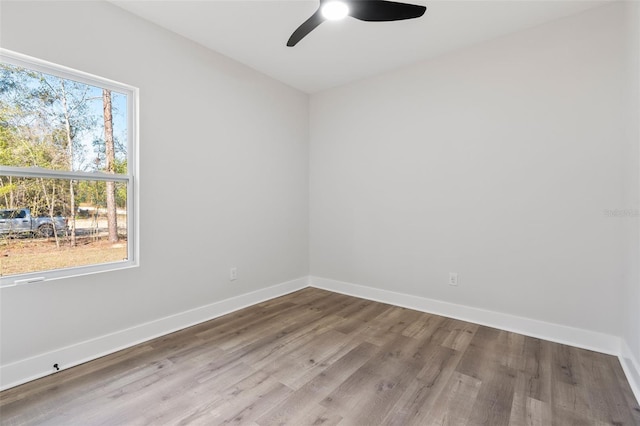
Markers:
<point>60,141</point>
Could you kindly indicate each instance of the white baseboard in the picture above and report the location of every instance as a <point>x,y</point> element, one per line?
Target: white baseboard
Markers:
<point>631,367</point>
<point>577,337</point>
<point>572,336</point>
<point>38,366</point>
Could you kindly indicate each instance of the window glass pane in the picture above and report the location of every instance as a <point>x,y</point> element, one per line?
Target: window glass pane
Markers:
<point>39,230</point>
<point>60,124</point>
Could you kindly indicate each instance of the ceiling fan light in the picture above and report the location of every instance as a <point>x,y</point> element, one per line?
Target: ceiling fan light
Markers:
<point>335,10</point>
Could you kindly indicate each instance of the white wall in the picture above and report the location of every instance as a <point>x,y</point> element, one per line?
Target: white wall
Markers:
<point>220,142</point>
<point>631,327</point>
<point>496,162</point>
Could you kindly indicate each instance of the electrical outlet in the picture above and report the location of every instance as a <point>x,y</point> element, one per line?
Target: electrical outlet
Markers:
<point>233,274</point>
<point>453,278</point>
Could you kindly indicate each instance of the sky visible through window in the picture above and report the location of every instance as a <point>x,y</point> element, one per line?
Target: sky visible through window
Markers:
<point>55,134</point>
<point>32,100</point>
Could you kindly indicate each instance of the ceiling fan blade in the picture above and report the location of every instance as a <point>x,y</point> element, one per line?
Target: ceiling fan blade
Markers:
<point>306,27</point>
<point>382,10</point>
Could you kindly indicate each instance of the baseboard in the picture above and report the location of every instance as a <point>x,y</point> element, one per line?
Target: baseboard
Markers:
<point>25,370</point>
<point>577,337</point>
<point>631,367</point>
<point>32,368</point>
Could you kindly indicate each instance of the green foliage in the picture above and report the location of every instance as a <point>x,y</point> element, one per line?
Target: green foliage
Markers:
<point>7,189</point>
<point>94,193</point>
<point>45,121</point>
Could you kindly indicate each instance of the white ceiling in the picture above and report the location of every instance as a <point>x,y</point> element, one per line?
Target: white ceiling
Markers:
<point>255,33</point>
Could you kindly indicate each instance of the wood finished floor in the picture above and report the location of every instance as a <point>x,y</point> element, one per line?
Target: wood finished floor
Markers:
<point>319,358</point>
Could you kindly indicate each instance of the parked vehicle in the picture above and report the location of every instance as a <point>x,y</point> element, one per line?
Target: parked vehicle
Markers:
<point>20,221</point>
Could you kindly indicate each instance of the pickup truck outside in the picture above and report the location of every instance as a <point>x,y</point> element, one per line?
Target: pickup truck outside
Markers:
<point>20,221</point>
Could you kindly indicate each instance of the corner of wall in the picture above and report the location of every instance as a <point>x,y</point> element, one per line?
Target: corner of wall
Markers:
<point>631,367</point>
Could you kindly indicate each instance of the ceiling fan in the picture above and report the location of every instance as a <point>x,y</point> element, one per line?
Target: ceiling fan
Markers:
<point>364,10</point>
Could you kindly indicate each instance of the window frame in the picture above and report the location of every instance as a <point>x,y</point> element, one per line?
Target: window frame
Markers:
<point>131,178</point>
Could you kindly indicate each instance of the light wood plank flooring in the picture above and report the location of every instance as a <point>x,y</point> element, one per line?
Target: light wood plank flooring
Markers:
<point>319,358</point>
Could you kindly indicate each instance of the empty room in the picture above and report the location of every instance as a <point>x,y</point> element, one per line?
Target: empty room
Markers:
<point>307,212</point>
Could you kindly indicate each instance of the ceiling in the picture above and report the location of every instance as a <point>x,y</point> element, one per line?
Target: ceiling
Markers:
<point>255,32</point>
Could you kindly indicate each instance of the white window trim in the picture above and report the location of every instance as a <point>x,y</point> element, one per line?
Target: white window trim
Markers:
<point>132,178</point>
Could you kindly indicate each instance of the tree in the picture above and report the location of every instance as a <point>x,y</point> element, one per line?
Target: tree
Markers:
<point>112,216</point>
<point>42,119</point>
<point>69,137</point>
<point>48,121</point>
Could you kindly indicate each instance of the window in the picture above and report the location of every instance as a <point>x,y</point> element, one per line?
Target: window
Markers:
<point>68,172</point>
